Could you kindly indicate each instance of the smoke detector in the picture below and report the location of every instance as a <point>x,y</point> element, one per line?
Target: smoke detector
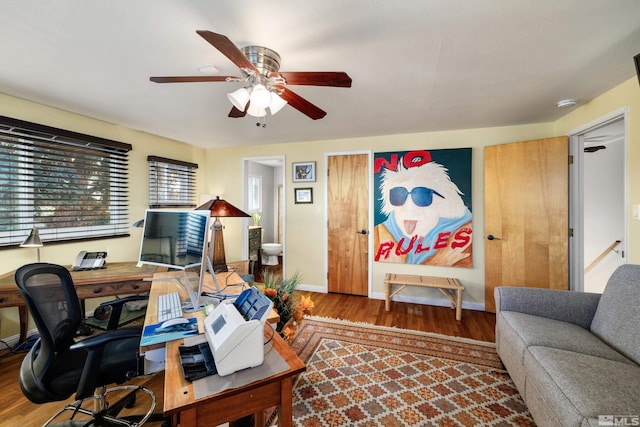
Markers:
<point>566,103</point>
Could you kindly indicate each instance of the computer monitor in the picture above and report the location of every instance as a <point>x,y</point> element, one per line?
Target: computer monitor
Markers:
<point>177,239</point>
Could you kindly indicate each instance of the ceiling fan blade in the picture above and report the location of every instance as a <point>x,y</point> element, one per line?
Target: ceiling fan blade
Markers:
<point>316,78</point>
<point>228,49</point>
<point>302,105</point>
<point>191,79</point>
<point>235,113</point>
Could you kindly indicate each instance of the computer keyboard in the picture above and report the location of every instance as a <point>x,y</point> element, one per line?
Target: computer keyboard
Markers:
<point>169,306</point>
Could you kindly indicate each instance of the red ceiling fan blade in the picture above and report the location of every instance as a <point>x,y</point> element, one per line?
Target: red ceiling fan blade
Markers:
<point>235,113</point>
<point>228,49</point>
<point>302,105</point>
<point>316,78</point>
<point>191,79</point>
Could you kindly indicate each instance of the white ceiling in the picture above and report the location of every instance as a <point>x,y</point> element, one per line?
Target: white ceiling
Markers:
<point>416,65</point>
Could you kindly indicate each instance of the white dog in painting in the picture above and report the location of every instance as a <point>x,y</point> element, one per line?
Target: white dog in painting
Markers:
<point>427,220</point>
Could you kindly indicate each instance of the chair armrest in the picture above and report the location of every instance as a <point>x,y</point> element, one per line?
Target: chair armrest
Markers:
<point>116,309</point>
<point>95,347</point>
<point>567,306</point>
<point>97,341</point>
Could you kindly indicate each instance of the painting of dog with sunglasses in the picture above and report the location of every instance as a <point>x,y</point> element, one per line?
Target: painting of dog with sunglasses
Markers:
<point>421,216</point>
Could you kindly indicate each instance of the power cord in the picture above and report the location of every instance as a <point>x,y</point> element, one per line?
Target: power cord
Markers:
<point>22,347</point>
<point>273,332</point>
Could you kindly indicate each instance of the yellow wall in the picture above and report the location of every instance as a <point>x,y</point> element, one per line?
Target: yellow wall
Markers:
<point>305,224</point>
<point>221,174</point>
<point>625,95</point>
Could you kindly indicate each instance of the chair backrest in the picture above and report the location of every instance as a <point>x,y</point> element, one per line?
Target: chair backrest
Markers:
<point>54,305</point>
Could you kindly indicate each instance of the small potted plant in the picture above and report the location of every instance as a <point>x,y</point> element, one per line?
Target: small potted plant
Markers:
<point>256,218</point>
<point>290,308</point>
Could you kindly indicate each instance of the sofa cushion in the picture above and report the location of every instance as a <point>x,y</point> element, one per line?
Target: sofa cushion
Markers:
<point>617,318</point>
<point>578,386</point>
<point>540,331</point>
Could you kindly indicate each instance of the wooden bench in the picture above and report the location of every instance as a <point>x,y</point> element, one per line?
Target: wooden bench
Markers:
<point>451,288</point>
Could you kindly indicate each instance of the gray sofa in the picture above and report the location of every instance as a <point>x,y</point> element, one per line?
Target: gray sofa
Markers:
<point>574,356</point>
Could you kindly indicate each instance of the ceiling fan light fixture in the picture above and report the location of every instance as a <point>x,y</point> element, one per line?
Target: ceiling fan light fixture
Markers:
<point>239,98</point>
<point>277,103</point>
<point>260,96</point>
<point>254,111</point>
<point>264,83</point>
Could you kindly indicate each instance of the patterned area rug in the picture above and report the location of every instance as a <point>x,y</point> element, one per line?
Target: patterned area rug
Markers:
<point>365,375</point>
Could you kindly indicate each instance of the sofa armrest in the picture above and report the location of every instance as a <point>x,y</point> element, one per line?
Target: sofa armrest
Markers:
<point>567,306</point>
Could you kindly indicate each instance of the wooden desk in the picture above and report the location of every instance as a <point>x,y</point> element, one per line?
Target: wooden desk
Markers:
<point>179,401</point>
<point>119,278</point>
<point>229,405</point>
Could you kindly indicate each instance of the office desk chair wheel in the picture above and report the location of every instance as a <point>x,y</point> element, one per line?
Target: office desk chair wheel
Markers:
<point>57,366</point>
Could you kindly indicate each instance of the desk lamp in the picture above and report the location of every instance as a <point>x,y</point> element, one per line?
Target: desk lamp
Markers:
<point>33,241</point>
<point>220,208</point>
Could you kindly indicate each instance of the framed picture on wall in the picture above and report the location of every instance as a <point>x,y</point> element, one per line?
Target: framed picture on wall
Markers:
<point>304,172</point>
<point>303,195</point>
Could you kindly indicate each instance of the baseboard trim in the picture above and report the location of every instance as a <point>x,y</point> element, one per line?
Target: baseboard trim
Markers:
<point>440,302</point>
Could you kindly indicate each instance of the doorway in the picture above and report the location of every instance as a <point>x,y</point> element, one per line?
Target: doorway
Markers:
<point>263,194</point>
<point>599,204</point>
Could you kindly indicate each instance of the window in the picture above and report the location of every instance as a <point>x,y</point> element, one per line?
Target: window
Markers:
<point>171,183</point>
<point>254,193</point>
<point>69,185</point>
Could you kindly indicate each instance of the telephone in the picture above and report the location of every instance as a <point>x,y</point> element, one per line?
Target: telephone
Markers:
<point>89,261</point>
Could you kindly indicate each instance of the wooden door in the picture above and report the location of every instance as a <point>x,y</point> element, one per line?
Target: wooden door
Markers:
<point>348,219</point>
<point>526,215</point>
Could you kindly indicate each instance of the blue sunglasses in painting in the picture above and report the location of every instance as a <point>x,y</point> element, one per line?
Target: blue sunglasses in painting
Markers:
<point>421,196</point>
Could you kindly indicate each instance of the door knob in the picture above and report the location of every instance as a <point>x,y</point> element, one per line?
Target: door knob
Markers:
<point>361,232</point>
<point>492,237</point>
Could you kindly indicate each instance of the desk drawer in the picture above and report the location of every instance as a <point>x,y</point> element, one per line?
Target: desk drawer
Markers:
<point>11,299</point>
<point>112,289</point>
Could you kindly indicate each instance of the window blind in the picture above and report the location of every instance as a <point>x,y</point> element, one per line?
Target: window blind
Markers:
<point>69,185</point>
<point>172,183</point>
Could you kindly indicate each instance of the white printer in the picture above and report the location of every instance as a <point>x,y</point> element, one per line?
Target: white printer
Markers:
<point>235,331</point>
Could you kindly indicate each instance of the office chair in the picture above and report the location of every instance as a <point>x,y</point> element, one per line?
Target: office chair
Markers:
<point>57,366</point>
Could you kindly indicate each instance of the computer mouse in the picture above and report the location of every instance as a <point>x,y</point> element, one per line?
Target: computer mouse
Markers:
<point>173,322</point>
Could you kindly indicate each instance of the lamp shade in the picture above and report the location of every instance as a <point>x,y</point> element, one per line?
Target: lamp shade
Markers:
<point>255,111</point>
<point>260,96</point>
<point>276,103</point>
<point>221,208</point>
<point>239,98</point>
<point>32,240</point>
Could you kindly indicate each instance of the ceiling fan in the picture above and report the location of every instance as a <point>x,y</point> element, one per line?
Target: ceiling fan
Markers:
<point>264,85</point>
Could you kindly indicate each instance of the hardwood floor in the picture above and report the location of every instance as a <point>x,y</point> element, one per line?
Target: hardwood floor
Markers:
<point>477,325</point>
<point>16,410</point>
